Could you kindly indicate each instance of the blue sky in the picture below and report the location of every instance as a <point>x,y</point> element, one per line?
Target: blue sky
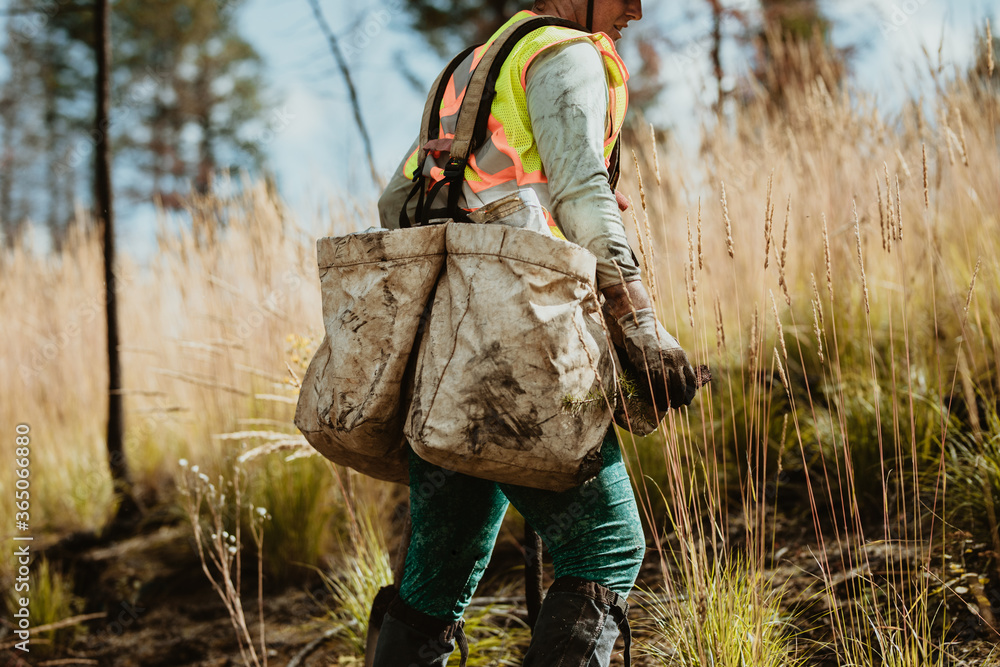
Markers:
<point>318,156</point>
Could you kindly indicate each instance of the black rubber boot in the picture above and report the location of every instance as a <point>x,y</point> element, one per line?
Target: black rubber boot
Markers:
<point>577,626</point>
<point>410,638</point>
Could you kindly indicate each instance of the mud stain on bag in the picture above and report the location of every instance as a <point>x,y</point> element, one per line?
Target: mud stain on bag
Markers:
<point>492,410</point>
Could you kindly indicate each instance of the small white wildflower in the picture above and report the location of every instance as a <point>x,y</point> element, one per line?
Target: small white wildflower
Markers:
<point>203,477</point>
<point>194,468</point>
<point>232,550</point>
<point>183,463</point>
<point>225,534</point>
<point>261,511</point>
<point>215,536</point>
<point>232,538</point>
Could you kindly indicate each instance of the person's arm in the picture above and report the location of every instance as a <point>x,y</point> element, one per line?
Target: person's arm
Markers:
<point>395,194</point>
<point>568,106</point>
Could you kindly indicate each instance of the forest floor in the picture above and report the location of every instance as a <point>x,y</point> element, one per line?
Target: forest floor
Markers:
<point>159,610</point>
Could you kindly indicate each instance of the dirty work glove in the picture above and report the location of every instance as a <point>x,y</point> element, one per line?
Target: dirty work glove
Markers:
<point>648,345</point>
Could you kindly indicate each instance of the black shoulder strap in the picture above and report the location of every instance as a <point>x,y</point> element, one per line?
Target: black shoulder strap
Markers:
<point>614,169</point>
<point>430,128</point>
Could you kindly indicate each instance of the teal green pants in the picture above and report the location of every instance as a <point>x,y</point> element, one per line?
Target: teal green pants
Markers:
<point>591,531</point>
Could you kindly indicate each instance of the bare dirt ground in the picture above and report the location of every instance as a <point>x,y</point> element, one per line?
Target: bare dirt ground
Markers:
<point>159,610</point>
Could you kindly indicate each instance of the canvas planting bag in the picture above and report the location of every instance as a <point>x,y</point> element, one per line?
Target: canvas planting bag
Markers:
<point>511,377</point>
<point>375,286</point>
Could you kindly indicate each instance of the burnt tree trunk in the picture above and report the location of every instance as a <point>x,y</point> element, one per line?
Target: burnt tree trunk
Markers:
<point>128,512</point>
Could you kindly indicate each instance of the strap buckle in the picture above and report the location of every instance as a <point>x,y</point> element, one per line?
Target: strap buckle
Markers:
<point>455,169</point>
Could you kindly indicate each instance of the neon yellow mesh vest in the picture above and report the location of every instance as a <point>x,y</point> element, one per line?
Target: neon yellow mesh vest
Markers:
<point>508,161</point>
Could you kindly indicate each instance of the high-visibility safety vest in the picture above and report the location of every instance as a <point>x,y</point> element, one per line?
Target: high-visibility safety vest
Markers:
<point>508,161</point>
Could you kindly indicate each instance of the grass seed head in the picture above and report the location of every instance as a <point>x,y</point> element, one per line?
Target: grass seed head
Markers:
<point>638,177</point>
<point>729,224</point>
<point>881,210</point>
<point>972,286</point>
<point>818,302</point>
<point>646,261</point>
<point>826,256</point>
<point>691,268</point>
<point>777,322</point>
<point>890,215</point>
<point>927,198</point>
<point>720,330</point>
<point>817,330</point>
<point>768,217</point>
<point>989,50</point>
<point>701,254</point>
<point>781,371</point>
<point>690,241</point>
<point>861,262</point>
<point>689,292</point>
<point>783,258</point>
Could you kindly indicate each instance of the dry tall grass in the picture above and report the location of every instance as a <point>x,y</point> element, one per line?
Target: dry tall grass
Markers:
<point>205,333</point>
<point>840,268</point>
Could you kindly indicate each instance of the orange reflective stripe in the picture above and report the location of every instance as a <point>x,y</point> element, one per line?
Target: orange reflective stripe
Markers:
<point>498,135</point>
<point>451,102</point>
<point>488,180</point>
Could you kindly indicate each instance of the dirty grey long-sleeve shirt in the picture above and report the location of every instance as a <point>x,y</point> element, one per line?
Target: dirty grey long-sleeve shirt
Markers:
<point>567,96</point>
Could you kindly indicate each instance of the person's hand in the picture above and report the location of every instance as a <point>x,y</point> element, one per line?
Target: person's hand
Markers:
<point>649,347</point>
<point>662,365</point>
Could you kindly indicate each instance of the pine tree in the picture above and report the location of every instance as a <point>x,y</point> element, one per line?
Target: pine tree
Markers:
<point>39,110</point>
<point>186,96</point>
<point>189,73</point>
